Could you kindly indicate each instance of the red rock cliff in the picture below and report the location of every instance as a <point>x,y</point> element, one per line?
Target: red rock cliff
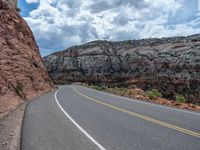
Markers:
<point>22,72</point>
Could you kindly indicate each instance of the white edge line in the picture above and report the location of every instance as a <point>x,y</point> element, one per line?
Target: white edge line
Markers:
<point>141,102</point>
<point>77,125</point>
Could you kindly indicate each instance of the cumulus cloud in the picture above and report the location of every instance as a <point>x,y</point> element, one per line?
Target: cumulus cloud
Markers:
<point>59,24</point>
<point>32,1</point>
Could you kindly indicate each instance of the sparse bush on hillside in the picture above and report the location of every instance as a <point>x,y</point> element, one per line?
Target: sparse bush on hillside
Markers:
<point>129,93</point>
<point>153,94</point>
<point>31,77</point>
<point>97,87</point>
<point>18,9</point>
<point>19,89</point>
<point>180,99</point>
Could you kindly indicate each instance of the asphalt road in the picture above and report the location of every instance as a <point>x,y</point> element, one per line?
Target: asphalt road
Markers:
<point>79,118</point>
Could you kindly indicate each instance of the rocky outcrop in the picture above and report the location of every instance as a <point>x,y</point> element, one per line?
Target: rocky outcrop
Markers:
<point>171,65</point>
<point>22,72</point>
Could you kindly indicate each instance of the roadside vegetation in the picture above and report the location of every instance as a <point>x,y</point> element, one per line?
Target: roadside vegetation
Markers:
<point>19,89</point>
<point>180,99</point>
<point>97,87</point>
<point>152,95</point>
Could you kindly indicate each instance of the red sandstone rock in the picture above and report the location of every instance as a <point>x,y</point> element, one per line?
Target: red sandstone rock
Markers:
<point>22,72</point>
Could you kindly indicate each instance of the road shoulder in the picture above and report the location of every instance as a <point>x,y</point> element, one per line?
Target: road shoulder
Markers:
<point>10,128</point>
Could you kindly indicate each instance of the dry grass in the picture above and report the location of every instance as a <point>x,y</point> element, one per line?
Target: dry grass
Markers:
<point>128,92</point>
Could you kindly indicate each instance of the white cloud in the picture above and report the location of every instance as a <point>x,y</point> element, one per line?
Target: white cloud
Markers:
<point>32,1</point>
<point>58,24</point>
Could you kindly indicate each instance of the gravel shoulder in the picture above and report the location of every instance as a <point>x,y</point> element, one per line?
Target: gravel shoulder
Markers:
<point>10,128</point>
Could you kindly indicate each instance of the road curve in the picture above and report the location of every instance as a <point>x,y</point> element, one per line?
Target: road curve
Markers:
<point>79,118</point>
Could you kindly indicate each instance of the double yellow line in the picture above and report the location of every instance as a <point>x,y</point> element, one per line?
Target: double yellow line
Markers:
<point>189,132</point>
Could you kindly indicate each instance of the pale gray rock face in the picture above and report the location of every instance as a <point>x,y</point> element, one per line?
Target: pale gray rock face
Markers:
<point>166,64</point>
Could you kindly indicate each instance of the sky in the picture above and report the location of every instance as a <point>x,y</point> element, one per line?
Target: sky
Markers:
<point>60,24</point>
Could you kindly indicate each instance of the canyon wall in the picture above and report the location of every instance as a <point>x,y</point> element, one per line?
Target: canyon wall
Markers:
<point>22,72</point>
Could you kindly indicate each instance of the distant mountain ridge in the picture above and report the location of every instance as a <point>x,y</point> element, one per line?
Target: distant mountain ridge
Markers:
<point>167,64</point>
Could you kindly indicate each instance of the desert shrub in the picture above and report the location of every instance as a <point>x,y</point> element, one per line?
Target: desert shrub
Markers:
<point>153,94</point>
<point>180,99</point>
<point>98,87</point>
<point>18,9</point>
<point>31,77</point>
<point>129,92</point>
<point>36,64</point>
<point>19,89</point>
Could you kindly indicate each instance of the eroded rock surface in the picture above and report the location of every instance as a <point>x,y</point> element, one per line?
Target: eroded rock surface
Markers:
<point>22,72</point>
<point>170,65</point>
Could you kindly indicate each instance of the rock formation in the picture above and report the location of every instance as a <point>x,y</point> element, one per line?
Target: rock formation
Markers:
<point>171,65</point>
<point>22,72</point>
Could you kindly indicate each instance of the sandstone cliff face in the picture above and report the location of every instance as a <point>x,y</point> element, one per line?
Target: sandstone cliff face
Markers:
<point>22,72</point>
<point>170,65</point>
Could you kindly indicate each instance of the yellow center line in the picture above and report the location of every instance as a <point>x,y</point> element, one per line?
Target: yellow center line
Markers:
<point>186,131</point>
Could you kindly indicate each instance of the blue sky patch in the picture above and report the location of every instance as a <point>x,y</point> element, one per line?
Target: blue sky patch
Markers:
<point>26,8</point>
